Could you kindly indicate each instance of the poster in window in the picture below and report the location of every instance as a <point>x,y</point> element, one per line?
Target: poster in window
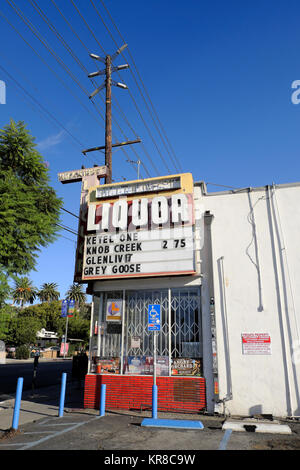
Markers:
<point>134,365</point>
<point>108,366</point>
<point>143,365</point>
<point>114,310</point>
<point>186,366</point>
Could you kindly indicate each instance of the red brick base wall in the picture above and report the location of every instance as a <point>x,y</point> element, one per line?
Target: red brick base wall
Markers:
<point>175,394</point>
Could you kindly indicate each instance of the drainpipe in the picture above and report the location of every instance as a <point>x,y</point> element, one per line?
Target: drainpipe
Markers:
<point>283,253</point>
<point>229,395</point>
<point>210,364</point>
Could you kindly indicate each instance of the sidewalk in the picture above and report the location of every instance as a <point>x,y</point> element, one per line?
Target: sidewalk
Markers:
<point>41,403</point>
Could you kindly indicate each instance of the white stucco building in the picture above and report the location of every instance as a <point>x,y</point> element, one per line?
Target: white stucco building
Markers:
<point>251,268</point>
<point>227,285</point>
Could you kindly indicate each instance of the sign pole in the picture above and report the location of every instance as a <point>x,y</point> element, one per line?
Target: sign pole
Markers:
<point>66,332</point>
<point>154,356</point>
<point>154,322</point>
<point>154,387</point>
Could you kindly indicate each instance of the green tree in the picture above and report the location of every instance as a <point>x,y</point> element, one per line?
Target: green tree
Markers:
<point>29,207</point>
<point>48,314</point>
<point>23,330</point>
<point>48,292</point>
<point>24,292</point>
<point>7,312</point>
<point>5,289</point>
<point>79,328</point>
<point>76,293</point>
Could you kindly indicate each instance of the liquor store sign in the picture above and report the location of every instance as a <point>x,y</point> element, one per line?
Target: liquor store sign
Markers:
<point>134,236</point>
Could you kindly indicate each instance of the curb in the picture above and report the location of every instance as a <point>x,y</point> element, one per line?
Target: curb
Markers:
<point>257,426</point>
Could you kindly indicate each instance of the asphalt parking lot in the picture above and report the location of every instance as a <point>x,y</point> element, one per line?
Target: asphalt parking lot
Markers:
<point>121,434</point>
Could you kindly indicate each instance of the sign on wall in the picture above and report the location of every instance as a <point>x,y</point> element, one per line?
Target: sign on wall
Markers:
<point>256,343</point>
<point>140,229</point>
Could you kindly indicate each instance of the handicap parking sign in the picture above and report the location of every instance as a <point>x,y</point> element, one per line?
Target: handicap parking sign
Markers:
<point>154,317</point>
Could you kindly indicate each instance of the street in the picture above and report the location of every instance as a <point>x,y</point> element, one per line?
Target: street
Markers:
<point>48,373</point>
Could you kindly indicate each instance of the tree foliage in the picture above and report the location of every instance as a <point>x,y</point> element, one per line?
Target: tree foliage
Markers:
<point>76,293</point>
<point>24,292</point>
<point>29,207</point>
<point>22,330</point>
<point>5,289</point>
<point>48,314</point>
<point>48,292</point>
<point>7,312</point>
<point>23,326</point>
<point>79,328</point>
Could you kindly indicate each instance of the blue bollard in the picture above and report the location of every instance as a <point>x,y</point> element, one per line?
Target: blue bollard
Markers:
<point>102,400</point>
<point>154,401</point>
<point>62,394</point>
<point>15,422</point>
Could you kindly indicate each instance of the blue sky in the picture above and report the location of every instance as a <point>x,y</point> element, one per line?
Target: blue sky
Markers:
<point>219,76</point>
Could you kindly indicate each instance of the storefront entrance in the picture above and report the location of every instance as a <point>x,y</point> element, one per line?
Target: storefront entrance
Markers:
<point>122,349</point>
<point>128,342</point>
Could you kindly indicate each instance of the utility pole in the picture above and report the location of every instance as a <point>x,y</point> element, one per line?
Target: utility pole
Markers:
<point>108,130</point>
<point>108,60</point>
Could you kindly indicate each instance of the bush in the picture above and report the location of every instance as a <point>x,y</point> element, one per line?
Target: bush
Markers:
<point>22,352</point>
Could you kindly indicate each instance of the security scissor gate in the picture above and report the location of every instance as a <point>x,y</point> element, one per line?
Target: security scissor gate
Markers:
<point>180,334</point>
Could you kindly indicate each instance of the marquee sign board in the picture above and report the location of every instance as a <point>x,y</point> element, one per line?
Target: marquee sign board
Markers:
<point>141,228</point>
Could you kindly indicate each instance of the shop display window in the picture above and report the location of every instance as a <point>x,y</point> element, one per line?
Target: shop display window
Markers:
<point>120,342</point>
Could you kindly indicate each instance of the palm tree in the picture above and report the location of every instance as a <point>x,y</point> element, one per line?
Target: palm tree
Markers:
<point>23,291</point>
<point>76,293</point>
<point>48,292</point>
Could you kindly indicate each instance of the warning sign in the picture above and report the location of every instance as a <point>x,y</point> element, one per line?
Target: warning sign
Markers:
<point>256,343</point>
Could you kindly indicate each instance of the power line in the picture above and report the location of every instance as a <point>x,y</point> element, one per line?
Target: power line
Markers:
<point>41,106</point>
<point>68,229</point>
<point>128,50</point>
<point>70,239</point>
<point>139,76</point>
<point>57,58</point>
<point>92,33</point>
<point>49,49</point>
<point>35,32</point>
<point>74,215</point>
<point>67,47</point>
<point>26,92</point>
<point>77,60</point>
<point>44,42</point>
<point>46,63</point>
